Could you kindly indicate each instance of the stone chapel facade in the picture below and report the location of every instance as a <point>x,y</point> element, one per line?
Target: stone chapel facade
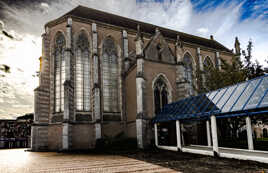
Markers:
<point>102,75</point>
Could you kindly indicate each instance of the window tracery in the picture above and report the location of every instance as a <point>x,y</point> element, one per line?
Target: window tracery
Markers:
<point>160,95</point>
<point>207,65</point>
<point>59,71</point>
<point>188,64</point>
<point>82,71</point>
<point>110,76</point>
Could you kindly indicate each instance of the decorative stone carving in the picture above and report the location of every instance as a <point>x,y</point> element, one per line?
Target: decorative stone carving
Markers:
<point>237,46</point>
<point>179,49</point>
<point>82,41</point>
<point>139,43</point>
<point>157,49</point>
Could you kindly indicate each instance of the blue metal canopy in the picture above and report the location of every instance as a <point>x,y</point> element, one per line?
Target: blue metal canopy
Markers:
<point>246,98</point>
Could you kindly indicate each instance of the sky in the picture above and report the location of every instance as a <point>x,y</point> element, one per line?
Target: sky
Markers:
<point>22,23</point>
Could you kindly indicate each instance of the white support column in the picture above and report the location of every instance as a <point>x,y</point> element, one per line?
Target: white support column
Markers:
<point>208,133</point>
<point>155,134</point>
<point>182,136</point>
<point>249,133</point>
<point>178,132</point>
<point>214,135</point>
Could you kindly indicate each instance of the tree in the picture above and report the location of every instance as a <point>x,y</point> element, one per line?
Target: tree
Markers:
<point>253,69</point>
<point>233,73</point>
<point>4,68</point>
<point>229,75</point>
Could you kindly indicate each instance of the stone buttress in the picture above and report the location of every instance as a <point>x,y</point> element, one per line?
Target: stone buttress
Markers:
<point>96,88</point>
<point>39,130</point>
<point>142,120</point>
<point>68,114</point>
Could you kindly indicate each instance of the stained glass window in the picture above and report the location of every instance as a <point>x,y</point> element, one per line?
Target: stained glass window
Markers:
<point>188,64</point>
<point>160,95</point>
<point>110,76</point>
<point>82,70</point>
<point>208,63</point>
<point>59,72</point>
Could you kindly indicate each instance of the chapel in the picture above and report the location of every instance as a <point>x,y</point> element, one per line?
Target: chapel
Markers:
<point>102,75</point>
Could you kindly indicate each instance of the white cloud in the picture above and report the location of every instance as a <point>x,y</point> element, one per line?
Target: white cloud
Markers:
<point>26,24</point>
<point>44,5</point>
<point>202,31</point>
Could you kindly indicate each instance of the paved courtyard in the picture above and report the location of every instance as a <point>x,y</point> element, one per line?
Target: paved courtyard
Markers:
<point>153,161</point>
<point>19,161</point>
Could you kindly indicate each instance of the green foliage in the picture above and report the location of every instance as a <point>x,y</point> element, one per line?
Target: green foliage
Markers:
<point>253,69</point>
<point>234,72</point>
<point>28,116</point>
<point>5,68</point>
<point>229,75</point>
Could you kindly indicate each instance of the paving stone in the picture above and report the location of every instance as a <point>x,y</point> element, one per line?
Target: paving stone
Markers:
<point>20,161</point>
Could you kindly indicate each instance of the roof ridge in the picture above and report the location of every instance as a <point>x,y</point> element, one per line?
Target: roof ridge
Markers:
<point>130,23</point>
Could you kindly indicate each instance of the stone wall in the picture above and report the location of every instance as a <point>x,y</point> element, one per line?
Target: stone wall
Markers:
<point>131,102</point>
<point>156,55</point>
<point>83,136</point>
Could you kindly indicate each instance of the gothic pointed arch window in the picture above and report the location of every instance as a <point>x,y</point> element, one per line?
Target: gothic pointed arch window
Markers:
<point>188,65</point>
<point>110,76</point>
<point>82,73</point>
<point>160,94</point>
<point>59,51</point>
<point>207,66</point>
<point>207,63</point>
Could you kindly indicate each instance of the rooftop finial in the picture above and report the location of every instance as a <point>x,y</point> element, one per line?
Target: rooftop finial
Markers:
<point>211,37</point>
<point>139,28</point>
<point>157,30</point>
<point>139,34</point>
<point>237,46</point>
<point>179,42</point>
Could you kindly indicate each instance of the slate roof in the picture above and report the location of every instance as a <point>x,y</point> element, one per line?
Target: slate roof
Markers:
<point>112,19</point>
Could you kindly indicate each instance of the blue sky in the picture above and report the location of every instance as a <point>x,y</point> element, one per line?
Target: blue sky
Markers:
<point>250,8</point>
<point>24,20</point>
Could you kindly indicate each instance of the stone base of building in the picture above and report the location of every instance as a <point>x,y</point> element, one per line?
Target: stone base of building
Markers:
<point>39,135</point>
<point>144,133</point>
<point>49,137</point>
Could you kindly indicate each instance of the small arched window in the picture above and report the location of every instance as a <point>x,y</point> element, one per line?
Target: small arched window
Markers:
<point>59,71</point>
<point>160,95</point>
<point>82,70</point>
<point>188,64</point>
<point>207,66</point>
<point>207,63</point>
<point>110,76</point>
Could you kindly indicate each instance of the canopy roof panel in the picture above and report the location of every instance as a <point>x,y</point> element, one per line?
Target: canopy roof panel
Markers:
<point>249,97</point>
